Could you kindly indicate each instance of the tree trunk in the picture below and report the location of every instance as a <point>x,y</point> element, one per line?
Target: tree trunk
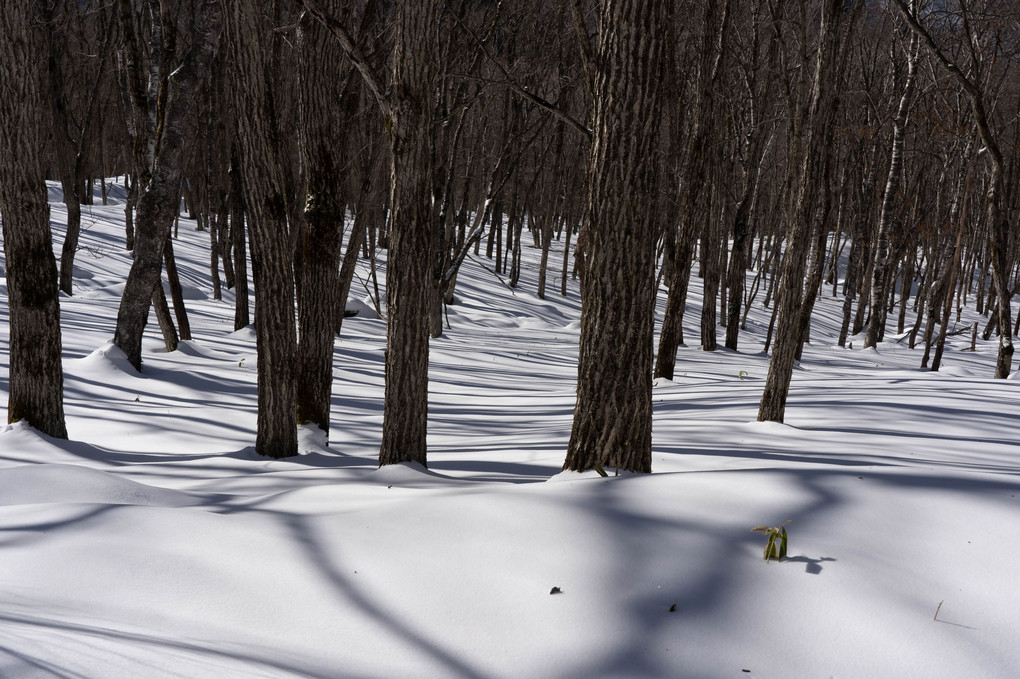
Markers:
<point>328,103</point>
<point>613,415</point>
<point>176,292</point>
<point>691,186</point>
<point>879,291</point>
<point>777,383</point>
<point>36,387</point>
<point>408,279</point>
<point>737,269</point>
<point>266,209</point>
<point>69,248</point>
<point>238,244</point>
<point>158,205</point>
<point>710,252</point>
<point>163,317</point>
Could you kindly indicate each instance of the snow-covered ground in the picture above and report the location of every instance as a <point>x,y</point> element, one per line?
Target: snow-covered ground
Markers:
<point>154,543</point>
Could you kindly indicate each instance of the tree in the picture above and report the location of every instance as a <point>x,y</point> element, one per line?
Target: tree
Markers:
<point>613,416</point>
<point>408,278</point>
<point>407,111</point>
<point>329,103</point>
<point>265,203</point>
<point>325,116</point>
<point>751,154</point>
<point>879,294</point>
<point>76,29</point>
<point>36,375</point>
<point>159,203</point>
<point>973,85</point>
<point>693,198</point>
<point>807,148</point>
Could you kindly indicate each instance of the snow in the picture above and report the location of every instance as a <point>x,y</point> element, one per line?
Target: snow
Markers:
<point>155,543</point>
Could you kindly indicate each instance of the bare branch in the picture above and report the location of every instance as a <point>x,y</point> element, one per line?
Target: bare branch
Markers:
<point>936,51</point>
<point>584,44</point>
<point>354,53</point>
<point>516,87</point>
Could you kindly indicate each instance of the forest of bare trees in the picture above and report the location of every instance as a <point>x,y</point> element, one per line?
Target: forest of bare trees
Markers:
<point>778,150</point>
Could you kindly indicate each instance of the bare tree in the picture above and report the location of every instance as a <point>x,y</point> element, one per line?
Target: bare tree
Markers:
<point>159,203</point>
<point>692,184</point>
<point>407,110</point>
<point>82,30</point>
<point>974,86</point>
<point>261,171</point>
<point>807,149</point>
<point>879,293</point>
<point>36,376</point>
<point>613,415</point>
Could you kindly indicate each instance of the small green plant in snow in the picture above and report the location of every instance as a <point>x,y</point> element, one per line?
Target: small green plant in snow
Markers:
<point>775,547</point>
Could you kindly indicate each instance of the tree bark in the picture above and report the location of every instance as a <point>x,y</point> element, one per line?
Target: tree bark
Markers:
<point>158,205</point>
<point>788,304</point>
<point>326,109</point>
<point>36,390</point>
<point>613,416</point>
<point>411,238</point>
<point>879,291</point>
<point>265,200</point>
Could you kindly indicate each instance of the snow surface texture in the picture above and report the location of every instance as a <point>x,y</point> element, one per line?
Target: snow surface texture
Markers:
<point>154,543</point>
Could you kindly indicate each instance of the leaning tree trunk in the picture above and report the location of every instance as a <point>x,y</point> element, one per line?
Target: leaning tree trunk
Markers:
<point>265,204</point>
<point>613,415</point>
<point>158,205</point>
<point>788,303</point>
<point>36,386</point>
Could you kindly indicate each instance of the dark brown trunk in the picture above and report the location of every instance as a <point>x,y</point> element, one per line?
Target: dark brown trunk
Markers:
<point>613,415</point>
<point>158,205</point>
<point>265,201</point>
<point>328,100</point>
<point>238,244</point>
<point>693,203</point>
<point>36,387</point>
<point>176,292</point>
<point>788,304</point>
<point>409,280</point>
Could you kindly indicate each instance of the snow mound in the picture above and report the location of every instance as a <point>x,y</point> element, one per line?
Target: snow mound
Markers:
<point>63,483</point>
<point>247,333</point>
<point>106,358</point>
<point>362,308</point>
<point>407,474</point>
<point>957,371</point>
<point>193,348</point>
<point>571,475</point>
